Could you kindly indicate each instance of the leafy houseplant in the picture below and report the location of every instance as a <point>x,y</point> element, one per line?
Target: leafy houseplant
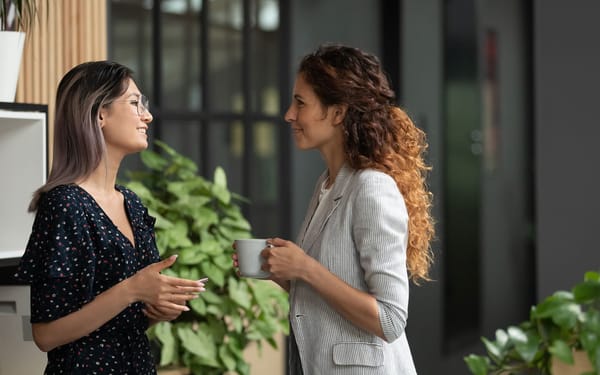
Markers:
<point>17,15</point>
<point>565,322</point>
<point>199,220</point>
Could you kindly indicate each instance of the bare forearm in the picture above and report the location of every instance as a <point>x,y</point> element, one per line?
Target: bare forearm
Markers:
<point>358,307</point>
<point>84,321</point>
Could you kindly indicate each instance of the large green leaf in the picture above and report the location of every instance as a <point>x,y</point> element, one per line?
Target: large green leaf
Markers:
<point>198,305</point>
<point>214,273</point>
<point>164,333</point>
<point>563,312</point>
<point>240,293</point>
<point>478,365</point>
<point>220,178</point>
<point>227,358</point>
<point>153,160</point>
<point>562,351</point>
<point>587,291</point>
<point>493,349</point>
<point>200,344</point>
<point>529,349</point>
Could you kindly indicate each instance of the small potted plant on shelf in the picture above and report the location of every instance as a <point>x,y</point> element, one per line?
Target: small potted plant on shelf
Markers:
<point>561,337</point>
<point>16,18</point>
<point>199,220</point>
<point>17,15</point>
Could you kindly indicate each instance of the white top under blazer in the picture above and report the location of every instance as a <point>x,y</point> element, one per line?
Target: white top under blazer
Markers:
<point>360,234</point>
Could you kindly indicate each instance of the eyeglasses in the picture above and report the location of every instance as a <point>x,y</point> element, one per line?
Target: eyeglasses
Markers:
<point>142,104</point>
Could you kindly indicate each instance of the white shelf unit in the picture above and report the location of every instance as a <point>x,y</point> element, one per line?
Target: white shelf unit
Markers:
<point>23,168</point>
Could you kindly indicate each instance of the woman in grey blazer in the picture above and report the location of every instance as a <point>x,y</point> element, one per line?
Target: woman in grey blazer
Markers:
<point>368,226</point>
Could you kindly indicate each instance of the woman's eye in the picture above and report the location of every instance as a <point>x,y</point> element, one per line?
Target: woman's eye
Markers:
<point>133,102</point>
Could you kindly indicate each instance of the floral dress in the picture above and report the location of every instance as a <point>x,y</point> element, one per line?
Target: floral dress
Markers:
<point>74,253</point>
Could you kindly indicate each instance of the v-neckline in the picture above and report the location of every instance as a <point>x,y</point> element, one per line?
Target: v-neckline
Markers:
<point>125,205</point>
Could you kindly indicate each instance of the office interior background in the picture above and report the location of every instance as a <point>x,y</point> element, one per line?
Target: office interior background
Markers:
<point>505,89</point>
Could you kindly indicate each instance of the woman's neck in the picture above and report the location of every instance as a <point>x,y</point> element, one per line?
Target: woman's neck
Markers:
<point>334,162</point>
<point>102,180</point>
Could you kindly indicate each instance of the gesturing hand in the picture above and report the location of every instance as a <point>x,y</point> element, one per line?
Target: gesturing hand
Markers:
<point>163,293</point>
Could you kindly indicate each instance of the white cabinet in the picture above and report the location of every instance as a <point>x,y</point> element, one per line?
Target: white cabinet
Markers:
<point>23,169</point>
<point>18,353</point>
<point>23,166</point>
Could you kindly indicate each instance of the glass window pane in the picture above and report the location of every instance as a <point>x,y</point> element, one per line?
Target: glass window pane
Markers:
<point>226,149</point>
<point>131,38</point>
<point>185,137</point>
<point>264,212</point>
<point>462,190</point>
<point>181,54</point>
<point>225,58</point>
<point>264,55</point>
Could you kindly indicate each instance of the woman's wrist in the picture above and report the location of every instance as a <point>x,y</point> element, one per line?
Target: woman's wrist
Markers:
<point>126,289</point>
<point>309,269</point>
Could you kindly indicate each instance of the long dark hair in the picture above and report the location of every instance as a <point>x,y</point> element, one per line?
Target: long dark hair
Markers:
<point>78,140</point>
<point>377,134</point>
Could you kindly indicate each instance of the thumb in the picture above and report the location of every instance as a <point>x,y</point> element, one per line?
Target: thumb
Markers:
<point>165,263</point>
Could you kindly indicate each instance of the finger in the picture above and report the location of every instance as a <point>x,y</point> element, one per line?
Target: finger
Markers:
<point>151,313</point>
<point>161,317</point>
<point>165,263</point>
<point>151,310</point>
<point>277,242</point>
<point>162,312</point>
<point>176,281</point>
<point>189,290</point>
<point>175,306</point>
<point>181,298</point>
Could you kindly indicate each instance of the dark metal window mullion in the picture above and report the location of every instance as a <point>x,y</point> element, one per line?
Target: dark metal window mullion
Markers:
<point>204,77</point>
<point>284,144</point>
<point>156,68</point>
<point>246,121</point>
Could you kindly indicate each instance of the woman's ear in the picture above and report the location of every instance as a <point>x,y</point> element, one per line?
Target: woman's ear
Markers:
<point>339,113</point>
<point>101,116</point>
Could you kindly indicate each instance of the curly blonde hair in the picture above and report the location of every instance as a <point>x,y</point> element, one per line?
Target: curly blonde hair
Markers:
<point>378,135</point>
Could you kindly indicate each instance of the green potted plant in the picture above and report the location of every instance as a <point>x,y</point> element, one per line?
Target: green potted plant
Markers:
<point>17,15</point>
<point>16,18</point>
<point>199,219</point>
<point>564,326</point>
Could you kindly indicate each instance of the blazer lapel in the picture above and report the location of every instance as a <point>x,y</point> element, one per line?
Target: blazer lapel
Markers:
<point>312,228</point>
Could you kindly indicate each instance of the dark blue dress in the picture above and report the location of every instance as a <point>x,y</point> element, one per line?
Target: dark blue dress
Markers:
<point>74,253</point>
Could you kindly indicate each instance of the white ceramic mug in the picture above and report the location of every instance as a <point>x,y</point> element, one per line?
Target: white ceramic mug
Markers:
<point>249,260</point>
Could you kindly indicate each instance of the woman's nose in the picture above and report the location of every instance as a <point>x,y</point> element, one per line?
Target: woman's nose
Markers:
<point>147,116</point>
<point>290,115</point>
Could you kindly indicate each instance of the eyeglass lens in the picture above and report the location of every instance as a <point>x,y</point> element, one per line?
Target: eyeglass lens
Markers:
<point>142,106</point>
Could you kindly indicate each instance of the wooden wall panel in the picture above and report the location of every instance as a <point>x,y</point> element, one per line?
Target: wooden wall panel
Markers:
<point>68,32</point>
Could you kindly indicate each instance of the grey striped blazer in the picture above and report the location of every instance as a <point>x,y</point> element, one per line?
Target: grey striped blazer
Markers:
<point>360,236</point>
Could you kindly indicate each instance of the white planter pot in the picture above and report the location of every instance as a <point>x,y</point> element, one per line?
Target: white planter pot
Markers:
<point>11,50</point>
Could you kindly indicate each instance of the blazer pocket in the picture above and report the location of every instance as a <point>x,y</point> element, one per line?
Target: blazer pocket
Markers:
<point>358,354</point>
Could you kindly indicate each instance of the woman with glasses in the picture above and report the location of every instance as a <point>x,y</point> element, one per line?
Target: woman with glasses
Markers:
<point>368,227</point>
<point>91,258</point>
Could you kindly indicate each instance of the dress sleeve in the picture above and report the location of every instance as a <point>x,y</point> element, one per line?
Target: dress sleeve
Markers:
<point>381,238</point>
<point>59,258</point>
